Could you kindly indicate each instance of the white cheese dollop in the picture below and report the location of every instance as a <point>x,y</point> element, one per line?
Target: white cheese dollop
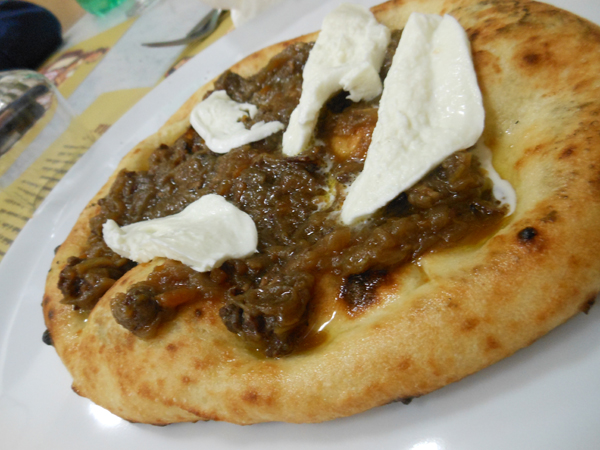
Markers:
<point>431,106</point>
<point>204,235</point>
<point>217,119</point>
<point>347,55</point>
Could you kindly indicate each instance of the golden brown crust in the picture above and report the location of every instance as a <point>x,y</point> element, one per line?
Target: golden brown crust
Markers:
<point>453,314</point>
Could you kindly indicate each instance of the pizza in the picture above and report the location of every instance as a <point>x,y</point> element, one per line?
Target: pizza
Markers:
<point>325,319</point>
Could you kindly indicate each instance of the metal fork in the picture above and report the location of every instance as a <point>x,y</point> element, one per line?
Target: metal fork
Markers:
<point>201,31</point>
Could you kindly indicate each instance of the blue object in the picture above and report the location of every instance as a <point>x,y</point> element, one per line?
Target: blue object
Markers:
<point>28,35</point>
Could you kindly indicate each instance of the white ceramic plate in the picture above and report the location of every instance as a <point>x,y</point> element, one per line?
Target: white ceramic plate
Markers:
<point>546,396</point>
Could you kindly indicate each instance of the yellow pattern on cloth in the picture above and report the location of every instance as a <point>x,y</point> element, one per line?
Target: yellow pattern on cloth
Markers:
<point>20,199</point>
<point>69,68</point>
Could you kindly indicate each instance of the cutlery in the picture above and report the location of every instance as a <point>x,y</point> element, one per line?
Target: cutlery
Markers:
<point>202,30</point>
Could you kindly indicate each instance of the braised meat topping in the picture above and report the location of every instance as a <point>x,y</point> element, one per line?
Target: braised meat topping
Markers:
<point>294,202</point>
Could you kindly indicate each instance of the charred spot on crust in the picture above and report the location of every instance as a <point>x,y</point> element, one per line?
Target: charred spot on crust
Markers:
<point>172,348</point>
<point>250,396</point>
<point>359,290</point>
<point>404,400</point>
<point>47,338</point>
<point>527,234</point>
<point>470,324</point>
<point>550,217</point>
<point>567,152</point>
<point>587,305</point>
<point>532,58</point>
<point>492,343</point>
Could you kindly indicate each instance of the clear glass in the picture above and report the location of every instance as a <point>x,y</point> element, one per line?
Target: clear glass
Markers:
<point>24,99</point>
<point>35,118</point>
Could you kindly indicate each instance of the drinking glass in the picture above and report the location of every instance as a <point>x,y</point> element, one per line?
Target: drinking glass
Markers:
<point>34,120</point>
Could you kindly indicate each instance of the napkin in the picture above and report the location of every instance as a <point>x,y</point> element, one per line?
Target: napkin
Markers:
<point>241,10</point>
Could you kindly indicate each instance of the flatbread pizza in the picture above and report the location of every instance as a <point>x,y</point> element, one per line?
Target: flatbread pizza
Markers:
<point>324,318</point>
